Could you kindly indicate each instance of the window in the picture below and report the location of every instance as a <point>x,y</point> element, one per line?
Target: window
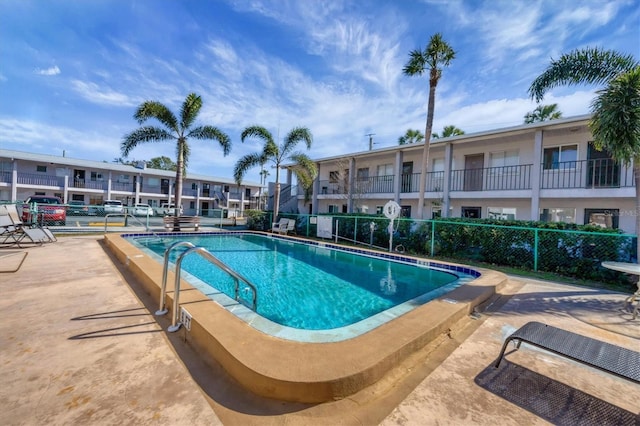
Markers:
<point>553,157</point>
<point>385,170</point>
<point>438,165</point>
<point>559,214</point>
<point>334,176</point>
<point>379,209</point>
<point>77,197</point>
<point>153,182</point>
<point>247,193</point>
<point>192,205</point>
<point>471,212</point>
<point>501,213</point>
<point>436,212</point>
<point>41,169</point>
<point>123,178</point>
<point>96,177</point>
<point>333,208</point>
<point>504,161</point>
<point>363,173</point>
<point>604,218</point>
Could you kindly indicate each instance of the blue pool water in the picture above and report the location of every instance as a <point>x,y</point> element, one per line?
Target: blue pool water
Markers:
<point>306,286</point>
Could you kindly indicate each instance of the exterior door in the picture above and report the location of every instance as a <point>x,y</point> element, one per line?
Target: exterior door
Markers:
<point>407,176</point>
<point>205,208</point>
<point>473,172</point>
<point>602,171</point>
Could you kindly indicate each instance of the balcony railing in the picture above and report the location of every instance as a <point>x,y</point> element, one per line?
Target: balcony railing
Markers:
<point>328,187</point>
<point>41,180</point>
<point>374,185</point>
<point>600,173</point>
<point>492,178</point>
<point>5,177</point>
<point>89,184</point>
<point>411,182</point>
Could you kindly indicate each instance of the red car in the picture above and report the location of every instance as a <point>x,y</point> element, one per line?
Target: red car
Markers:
<point>51,210</point>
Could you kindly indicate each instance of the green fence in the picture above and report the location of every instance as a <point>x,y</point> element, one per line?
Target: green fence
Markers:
<point>566,249</point>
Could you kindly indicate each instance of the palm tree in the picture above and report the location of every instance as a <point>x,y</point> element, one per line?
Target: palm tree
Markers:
<point>179,131</point>
<point>303,167</point>
<point>543,113</point>
<point>412,136</point>
<point>436,55</point>
<point>449,131</point>
<point>615,120</point>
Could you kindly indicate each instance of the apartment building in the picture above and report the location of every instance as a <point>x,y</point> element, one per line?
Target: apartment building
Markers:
<point>543,171</point>
<point>24,174</point>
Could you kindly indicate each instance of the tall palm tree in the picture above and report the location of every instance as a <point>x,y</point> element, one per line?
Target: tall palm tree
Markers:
<point>615,120</point>
<point>303,167</point>
<point>179,131</point>
<point>449,131</point>
<point>412,136</point>
<point>543,113</point>
<point>436,55</point>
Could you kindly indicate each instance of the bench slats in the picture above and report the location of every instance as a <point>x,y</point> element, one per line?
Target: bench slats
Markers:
<point>619,361</point>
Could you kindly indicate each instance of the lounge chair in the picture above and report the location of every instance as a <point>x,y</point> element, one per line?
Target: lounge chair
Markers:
<point>14,231</point>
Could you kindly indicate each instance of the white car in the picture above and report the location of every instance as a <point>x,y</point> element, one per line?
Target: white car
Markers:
<point>113,206</point>
<point>142,210</point>
<point>168,210</point>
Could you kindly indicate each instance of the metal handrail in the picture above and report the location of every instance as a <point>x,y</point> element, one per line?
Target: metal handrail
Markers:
<point>162,309</point>
<point>175,325</point>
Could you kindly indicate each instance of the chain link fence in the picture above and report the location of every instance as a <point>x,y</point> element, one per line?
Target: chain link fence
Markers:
<point>566,249</point>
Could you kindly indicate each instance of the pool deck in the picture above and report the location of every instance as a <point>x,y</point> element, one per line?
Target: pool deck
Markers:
<point>79,345</point>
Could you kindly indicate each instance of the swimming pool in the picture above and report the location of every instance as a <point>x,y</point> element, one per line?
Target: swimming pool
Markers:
<point>310,286</point>
<point>309,366</point>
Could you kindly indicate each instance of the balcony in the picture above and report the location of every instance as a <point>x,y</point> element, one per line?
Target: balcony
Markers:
<point>504,178</point>
<point>40,180</point>
<point>600,173</point>
<point>89,184</point>
<point>330,187</point>
<point>374,185</point>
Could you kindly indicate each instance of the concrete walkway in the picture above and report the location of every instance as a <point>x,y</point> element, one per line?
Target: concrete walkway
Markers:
<point>78,345</point>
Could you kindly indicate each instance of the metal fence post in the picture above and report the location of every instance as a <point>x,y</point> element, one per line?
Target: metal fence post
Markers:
<point>535,249</point>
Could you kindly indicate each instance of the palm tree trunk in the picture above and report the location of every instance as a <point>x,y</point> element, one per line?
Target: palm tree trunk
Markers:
<point>178,187</point>
<point>425,150</point>
<point>636,176</point>
<point>276,198</point>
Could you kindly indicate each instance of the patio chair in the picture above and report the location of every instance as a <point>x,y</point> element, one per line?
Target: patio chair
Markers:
<point>289,227</point>
<point>280,226</point>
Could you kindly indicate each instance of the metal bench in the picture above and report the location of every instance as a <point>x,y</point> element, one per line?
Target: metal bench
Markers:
<point>178,222</point>
<point>606,357</point>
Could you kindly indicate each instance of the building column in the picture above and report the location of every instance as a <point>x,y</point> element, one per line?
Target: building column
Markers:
<point>350,184</point>
<point>65,192</point>
<point>536,174</point>
<point>109,186</point>
<point>446,179</point>
<point>14,182</point>
<point>397,179</point>
<point>316,191</point>
<point>243,190</point>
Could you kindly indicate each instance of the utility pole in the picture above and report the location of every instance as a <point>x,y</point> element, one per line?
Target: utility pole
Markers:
<point>370,140</point>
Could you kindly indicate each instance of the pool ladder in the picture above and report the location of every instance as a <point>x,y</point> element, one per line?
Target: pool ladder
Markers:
<point>175,324</point>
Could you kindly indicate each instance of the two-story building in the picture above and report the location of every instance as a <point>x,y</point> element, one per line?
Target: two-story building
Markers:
<point>543,171</point>
<point>24,174</point>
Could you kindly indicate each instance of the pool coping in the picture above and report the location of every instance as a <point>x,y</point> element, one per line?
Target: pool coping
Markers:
<point>301,371</point>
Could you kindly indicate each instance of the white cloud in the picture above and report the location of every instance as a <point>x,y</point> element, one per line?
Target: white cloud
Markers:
<point>49,71</point>
<point>94,93</point>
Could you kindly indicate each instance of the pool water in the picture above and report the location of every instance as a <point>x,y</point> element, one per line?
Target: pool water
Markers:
<point>306,286</point>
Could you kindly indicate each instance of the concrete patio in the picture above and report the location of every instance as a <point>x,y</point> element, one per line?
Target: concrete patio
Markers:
<point>79,345</point>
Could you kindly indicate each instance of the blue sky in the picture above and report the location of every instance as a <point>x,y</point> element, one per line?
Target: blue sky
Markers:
<point>73,72</point>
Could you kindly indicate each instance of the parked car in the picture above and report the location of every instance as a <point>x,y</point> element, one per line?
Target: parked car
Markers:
<point>77,208</point>
<point>50,210</point>
<point>112,206</point>
<point>142,210</point>
<point>167,209</point>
